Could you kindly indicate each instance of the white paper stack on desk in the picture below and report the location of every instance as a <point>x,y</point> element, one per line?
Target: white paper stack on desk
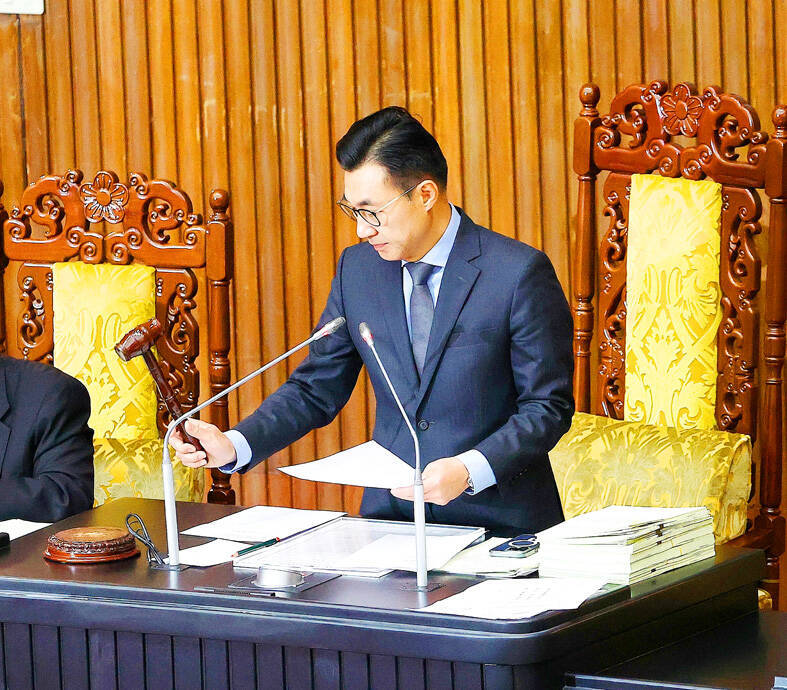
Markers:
<point>625,544</point>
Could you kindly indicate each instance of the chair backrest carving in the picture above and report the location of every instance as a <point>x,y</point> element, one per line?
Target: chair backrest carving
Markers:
<point>61,218</point>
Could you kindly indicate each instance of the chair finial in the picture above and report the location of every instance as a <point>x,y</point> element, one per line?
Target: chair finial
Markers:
<point>589,95</point>
<point>219,200</point>
<point>779,118</point>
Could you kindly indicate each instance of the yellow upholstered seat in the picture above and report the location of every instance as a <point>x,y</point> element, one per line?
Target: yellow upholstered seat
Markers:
<point>602,462</point>
<point>94,306</point>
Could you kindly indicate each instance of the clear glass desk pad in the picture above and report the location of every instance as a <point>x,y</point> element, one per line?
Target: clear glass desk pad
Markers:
<point>364,547</point>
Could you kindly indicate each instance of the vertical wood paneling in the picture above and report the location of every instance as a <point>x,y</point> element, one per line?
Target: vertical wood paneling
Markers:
<point>549,47</point>
<point>12,154</point>
<point>162,87</point>
<point>655,39</point>
<point>734,51</point>
<point>497,85</point>
<point>681,31</point>
<point>31,45</point>
<point>319,202</point>
<point>448,116</point>
<point>87,124</point>
<point>240,126</point>
<point>253,95</point>
<point>268,207</point>
<point>137,91</point>
<point>524,93</point>
<point>60,104</point>
<point>472,94</point>
<point>294,215</point>
<point>110,85</point>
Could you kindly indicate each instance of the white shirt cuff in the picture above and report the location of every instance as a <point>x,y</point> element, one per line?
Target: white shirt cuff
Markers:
<point>242,452</point>
<point>480,470</point>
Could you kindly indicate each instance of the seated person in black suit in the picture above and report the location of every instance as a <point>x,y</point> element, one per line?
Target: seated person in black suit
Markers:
<point>46,446</point>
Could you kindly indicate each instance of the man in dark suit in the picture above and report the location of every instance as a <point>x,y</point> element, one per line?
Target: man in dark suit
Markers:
<point>46,446</point>
<point>474,330</point>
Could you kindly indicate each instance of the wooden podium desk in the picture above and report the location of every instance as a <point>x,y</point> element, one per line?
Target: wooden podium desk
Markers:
<point>123,625</point>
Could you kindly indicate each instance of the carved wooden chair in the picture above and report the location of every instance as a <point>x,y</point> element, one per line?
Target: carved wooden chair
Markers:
<point>681,143</point>
<point>91,261</point>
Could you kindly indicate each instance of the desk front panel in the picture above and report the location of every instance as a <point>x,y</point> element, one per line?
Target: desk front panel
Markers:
<point>123,625</point>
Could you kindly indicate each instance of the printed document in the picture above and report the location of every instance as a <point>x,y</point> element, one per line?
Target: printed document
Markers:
<point>211,553</point>
<point>366,465</point>
<point>261,523</point>
<point>397,552</point>
<point>19,528</point>
<point>514,599</point>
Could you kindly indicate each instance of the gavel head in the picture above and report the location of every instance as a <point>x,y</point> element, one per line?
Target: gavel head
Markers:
<point>139,340</point>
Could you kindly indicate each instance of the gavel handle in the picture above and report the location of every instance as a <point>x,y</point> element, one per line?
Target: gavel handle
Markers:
<point>168,396</point>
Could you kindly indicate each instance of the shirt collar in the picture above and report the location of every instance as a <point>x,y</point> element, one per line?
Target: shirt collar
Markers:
<point>438,255</point>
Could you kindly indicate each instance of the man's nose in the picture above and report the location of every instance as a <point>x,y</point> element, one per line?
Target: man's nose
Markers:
<point>364,230</point>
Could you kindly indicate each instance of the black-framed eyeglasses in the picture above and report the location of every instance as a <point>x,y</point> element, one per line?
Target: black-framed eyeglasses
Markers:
<point>367,215</point>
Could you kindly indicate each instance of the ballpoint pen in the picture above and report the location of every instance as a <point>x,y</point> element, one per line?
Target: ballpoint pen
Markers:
<point>261,545</point>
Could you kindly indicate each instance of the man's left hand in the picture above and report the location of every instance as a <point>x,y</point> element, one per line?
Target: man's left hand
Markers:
<point>444,480</point>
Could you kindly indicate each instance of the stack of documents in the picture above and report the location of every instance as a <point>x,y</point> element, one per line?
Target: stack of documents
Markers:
<point>624,544</point>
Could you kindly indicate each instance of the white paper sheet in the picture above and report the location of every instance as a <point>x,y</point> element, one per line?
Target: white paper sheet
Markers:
<point>475,560</point>
<point>515,599</point>
<point>368,464</point>
<point>211,553</point>
<point>397,552</point>
<point>19,528</point>
<point>261,523</point>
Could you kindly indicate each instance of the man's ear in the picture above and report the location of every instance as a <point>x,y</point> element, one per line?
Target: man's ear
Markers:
<point>428,193</point>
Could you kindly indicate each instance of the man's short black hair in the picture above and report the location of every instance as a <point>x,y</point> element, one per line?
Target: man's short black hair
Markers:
<point>394,139</point>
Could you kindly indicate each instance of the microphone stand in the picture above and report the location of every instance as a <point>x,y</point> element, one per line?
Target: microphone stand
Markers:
<point>170,514</point>
<point>419,508</point>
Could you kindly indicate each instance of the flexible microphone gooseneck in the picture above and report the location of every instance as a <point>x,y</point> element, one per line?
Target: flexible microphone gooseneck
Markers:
<point>166,465</point>
<point>419,509</point>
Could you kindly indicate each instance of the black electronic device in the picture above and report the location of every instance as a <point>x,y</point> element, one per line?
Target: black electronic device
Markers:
<point>519,547</point>
<point>5,540</point>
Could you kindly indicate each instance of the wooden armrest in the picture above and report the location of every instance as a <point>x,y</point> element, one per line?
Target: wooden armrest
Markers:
<point>757,538</point>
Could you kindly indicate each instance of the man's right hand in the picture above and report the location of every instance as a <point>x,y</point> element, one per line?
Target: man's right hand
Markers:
<point>219,448</point>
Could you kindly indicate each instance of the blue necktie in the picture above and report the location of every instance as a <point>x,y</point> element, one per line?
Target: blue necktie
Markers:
<point>421,311</point>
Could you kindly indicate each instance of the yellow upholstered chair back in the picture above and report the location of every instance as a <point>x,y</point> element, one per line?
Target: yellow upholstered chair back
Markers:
<point>93,307</point>
<point>673,301</point>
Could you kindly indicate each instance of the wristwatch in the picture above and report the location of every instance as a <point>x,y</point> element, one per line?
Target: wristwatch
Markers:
<point>470,489</point>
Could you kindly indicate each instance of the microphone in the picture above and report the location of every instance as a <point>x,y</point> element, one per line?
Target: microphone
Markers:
<point>419,508</point>
<point>170,515</point>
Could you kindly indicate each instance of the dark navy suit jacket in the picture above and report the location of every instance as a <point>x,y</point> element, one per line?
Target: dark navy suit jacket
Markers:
<point>497,376</point>
<point>46,446</point>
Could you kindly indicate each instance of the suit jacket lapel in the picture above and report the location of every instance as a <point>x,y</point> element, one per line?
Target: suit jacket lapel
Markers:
<point>458,279</point>
<point>5,432</point>
<point>391,302</point>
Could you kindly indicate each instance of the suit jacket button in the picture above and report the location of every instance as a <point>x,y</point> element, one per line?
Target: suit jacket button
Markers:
<point>423,425</point>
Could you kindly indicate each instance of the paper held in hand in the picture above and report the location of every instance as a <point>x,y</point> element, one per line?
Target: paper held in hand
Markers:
<point>368,464</point>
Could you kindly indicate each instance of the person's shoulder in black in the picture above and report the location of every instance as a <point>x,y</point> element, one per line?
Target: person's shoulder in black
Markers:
<point>46,445</point>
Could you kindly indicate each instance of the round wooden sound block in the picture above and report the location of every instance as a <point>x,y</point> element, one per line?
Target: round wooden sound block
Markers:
<point>90,545</point>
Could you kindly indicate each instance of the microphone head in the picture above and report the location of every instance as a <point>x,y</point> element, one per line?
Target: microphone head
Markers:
<point>330,327</point>
<point>366,334</point>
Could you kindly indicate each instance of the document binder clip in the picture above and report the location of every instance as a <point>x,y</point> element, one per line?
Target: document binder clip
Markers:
<point>137,528</point>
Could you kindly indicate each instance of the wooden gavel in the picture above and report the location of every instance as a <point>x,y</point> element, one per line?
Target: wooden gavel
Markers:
<point>139,341</point>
